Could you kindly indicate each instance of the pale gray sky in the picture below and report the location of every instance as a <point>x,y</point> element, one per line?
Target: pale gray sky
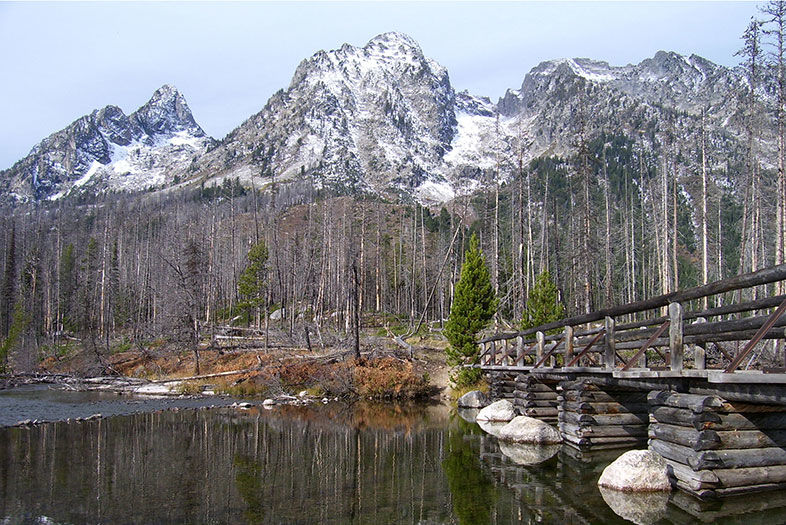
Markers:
<point>61,60</point>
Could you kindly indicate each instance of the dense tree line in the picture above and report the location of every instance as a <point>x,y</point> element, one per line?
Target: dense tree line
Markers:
<point>624,217</point>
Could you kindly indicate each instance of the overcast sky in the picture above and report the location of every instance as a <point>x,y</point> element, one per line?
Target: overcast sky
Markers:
<point>60,61</point>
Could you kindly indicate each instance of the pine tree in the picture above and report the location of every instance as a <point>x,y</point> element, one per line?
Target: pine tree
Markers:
<point>253,280</point>
<point>9,286</point>
<point>543,304</point>
<point>473,307</point>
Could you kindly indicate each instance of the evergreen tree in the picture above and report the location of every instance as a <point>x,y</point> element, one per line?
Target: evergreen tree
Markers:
<point>9,286</point>
<point>543,304</point>
<point>68,287</point>
<point>252,282</point>
<point>473,307</point>
<point>21,320</point>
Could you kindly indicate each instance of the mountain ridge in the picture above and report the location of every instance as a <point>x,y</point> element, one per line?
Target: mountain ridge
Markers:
<point>383,118</point>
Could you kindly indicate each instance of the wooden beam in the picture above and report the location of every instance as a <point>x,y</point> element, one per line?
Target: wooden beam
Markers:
<point>611,351</point>
<point>646,345</point>
<point>753,342</point>
<point>675,337</point>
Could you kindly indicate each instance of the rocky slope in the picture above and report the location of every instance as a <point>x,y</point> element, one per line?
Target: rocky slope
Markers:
<point>385,118</point>
<point>109,150</point>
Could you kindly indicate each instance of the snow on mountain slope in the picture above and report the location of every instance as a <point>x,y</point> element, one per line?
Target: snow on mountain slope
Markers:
<point>384,118</point>
<point>108,150</point>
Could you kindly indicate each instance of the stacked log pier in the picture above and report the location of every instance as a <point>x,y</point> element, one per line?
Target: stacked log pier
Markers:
<point>537,398</point>
<point>503,385</point>
<point>600,418</point>
<point>717,448</point>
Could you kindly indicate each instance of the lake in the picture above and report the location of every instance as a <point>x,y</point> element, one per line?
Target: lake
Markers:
<point>178,461</point>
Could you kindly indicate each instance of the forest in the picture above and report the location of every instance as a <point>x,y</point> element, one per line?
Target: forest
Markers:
<point>626,216</point>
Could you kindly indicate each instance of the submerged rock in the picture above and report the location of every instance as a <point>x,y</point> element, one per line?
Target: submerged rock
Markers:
<point>528,453</point>
<point>637,471</point>
<point>524,429</point>
<point>642,508</point>
<point>491,427</point>
<point>498,411</point>
<point>474,399</point>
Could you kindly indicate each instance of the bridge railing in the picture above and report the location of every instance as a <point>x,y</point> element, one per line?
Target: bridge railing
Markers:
<point>657,331</point>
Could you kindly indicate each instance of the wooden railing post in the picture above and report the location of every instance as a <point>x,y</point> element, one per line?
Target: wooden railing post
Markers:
<point>675,336</point>
<point>493,353</point>
<point>568,345</point>
<point>541,337</point>
<point>699,353</point>
<point>611,345</point>
<point>519,349</point>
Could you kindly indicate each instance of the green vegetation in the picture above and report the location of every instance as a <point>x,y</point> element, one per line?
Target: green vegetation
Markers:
<point>543,304</point>
<point>253,281</point>
<point>473,307</point>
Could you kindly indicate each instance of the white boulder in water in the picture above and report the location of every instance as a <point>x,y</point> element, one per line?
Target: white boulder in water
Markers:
<point>523,429</point>
<point>498,411</point>
<point>637,471</point>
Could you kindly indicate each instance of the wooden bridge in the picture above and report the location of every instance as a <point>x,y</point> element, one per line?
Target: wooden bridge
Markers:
<point>705,386</point>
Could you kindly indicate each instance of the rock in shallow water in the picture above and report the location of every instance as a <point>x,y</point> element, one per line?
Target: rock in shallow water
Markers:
<point>642,508</point>
<point>523,429</point>
<point>637,471</point>
<point>474,399</point>
<point>498,411</point>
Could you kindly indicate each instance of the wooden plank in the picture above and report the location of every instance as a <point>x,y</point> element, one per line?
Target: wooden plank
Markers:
<point>745,376</point>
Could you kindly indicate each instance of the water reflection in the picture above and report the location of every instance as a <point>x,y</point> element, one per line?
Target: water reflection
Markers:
<point>331,464</point>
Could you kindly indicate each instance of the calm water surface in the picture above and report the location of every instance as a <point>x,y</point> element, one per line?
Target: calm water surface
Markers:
<point>324,464</point>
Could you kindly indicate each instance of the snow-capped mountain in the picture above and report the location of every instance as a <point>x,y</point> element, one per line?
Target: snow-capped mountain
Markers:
<point>379,117</point>
<point>384,118</point>
<point>108,149</point>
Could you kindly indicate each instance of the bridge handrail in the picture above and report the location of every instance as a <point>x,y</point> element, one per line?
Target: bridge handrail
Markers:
<point>748,280</point>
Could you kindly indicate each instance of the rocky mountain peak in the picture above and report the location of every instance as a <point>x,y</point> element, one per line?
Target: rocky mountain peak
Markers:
<point>394,45</point>
<point>166,113</point>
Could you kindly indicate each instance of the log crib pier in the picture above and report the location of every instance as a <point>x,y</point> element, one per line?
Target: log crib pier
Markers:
<point>698,375</point>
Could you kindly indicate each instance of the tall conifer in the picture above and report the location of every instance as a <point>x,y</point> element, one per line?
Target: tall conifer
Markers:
<point>473,307</point>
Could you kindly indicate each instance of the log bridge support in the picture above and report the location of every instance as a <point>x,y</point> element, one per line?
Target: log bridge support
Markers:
<point>703,387</point>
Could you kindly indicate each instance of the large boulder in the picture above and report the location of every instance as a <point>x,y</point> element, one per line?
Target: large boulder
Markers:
<point>637,471</point>
<point>474,399</point>
<point>523,429</point>
<point>527,453</point>
<point>498,411</point>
